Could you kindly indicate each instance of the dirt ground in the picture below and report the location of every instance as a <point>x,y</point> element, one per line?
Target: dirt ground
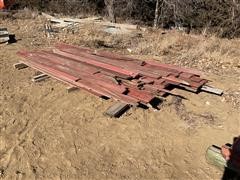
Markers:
<point>47,133</point>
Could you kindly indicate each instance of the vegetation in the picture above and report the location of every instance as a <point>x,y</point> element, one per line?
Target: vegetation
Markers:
<point>219,16</point>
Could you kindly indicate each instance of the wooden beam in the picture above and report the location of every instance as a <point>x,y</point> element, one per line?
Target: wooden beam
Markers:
<point>40,77</point>
<point>117,109</point>
<point>19,66</point>
<point>212,90</point>
<point>72,88</point>
<point>4,35</point>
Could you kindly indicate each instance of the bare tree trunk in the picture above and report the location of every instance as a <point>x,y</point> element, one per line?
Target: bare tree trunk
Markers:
<point>111,10</point>
<point>156,14</point>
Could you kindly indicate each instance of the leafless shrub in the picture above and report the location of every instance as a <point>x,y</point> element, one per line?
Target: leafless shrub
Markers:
<point>218,16</point>
<point>222,17</point>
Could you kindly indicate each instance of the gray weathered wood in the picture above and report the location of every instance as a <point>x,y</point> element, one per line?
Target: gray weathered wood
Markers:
<point>4,39</point>
<point>156,14</point>
<point>4,35</point>
<point>72,88</point>
<point>117,109</point>
<point>40,77</point>
<point>212,90</point>
<point>20,66</point>
<point>111,10</point>
<point>3,29</point>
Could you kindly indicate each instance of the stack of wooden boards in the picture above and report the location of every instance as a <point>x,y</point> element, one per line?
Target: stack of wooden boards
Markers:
<point>111,75</point>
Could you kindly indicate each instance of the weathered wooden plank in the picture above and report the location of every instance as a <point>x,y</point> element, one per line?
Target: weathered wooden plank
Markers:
<point>4,39</point>
<point>72,88</point>
<point>212,90</point>
<point>141,95</point>
<point>97,64</point>
<point>4,35</point>
<point>40,78</point>
<point>19,66</point>
<point>174,67</point>
<point>117,109</point>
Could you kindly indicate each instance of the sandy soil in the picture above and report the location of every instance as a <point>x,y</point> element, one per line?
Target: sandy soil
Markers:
<point>46,133</point>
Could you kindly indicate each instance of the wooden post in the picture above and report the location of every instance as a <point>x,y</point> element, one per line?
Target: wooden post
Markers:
<point>111,10</point>
<point>156,14</point>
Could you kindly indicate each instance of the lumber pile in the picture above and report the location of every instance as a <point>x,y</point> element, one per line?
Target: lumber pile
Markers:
<point>111,75</point>
<point>113,28</point>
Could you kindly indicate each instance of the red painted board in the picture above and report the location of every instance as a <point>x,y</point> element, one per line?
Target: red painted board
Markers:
<point>68,62</point>
<point>97,64</point>
<point>131,66</point>
<point>142,95</point>
<point>196,79</point>
<point>47,69</point>
<point>87,74</point>
<point>174,67</point>
<point>147,80</point>
<point>123,98</point>
<point>160,81</point>
<point>95,57</point>
<point>134,66</point>
<point>174,80</point>
<point>78,65</point>
<point>66,77</point>
<point>198,85</point>
<point>100,53</point>
<point>160,91</point>
<point>186,75</point>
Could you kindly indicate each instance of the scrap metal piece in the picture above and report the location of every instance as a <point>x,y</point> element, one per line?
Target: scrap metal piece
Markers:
<point>117,109</point>
<point>212,90</point>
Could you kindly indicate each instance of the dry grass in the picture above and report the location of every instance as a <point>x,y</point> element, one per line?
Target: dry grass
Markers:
<point>49,134</point>
<point>209,54</point>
